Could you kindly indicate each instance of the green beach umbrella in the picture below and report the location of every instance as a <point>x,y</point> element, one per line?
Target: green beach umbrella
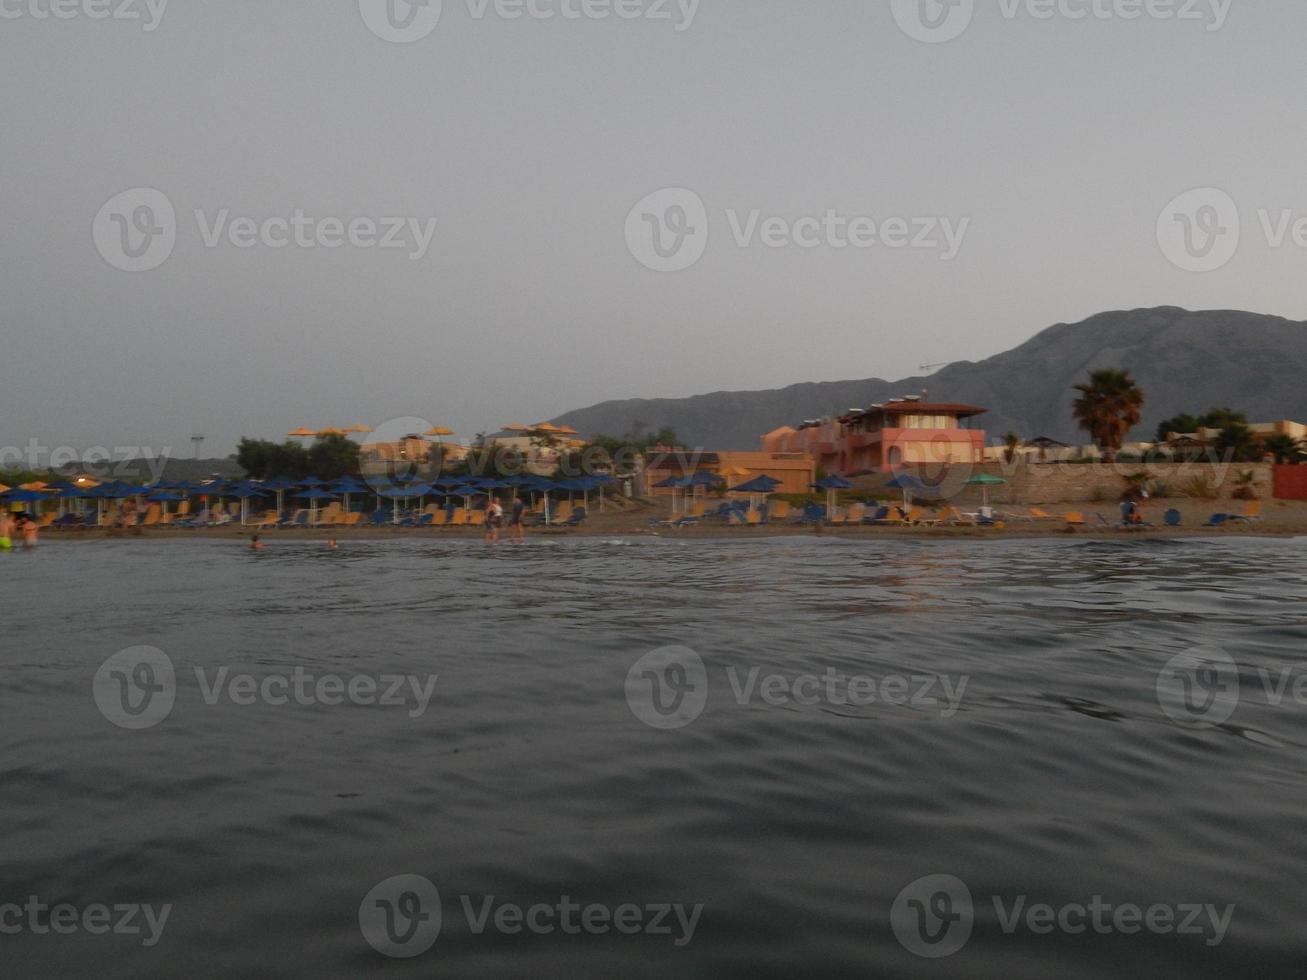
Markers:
<point>985,481</point>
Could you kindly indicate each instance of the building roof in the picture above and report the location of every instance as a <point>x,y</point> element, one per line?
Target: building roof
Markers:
<point>955,409</point>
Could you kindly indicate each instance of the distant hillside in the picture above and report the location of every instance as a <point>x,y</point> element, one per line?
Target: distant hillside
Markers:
<point>1184,361</point>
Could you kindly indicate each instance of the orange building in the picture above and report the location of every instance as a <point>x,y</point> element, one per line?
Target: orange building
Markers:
<point>884,437</point>
<point>796,471</point>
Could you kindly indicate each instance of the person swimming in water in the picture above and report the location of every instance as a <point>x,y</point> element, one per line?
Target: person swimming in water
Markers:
<point>256,543</point>
<point>331,545</point>
<point>6,531</point>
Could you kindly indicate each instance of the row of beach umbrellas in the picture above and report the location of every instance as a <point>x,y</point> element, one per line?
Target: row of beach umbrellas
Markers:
<point>311,489</point>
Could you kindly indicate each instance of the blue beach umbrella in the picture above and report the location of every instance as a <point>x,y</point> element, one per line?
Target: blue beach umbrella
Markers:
<point>831,484</point>
<point>313,495</point>
<point>908,484</point>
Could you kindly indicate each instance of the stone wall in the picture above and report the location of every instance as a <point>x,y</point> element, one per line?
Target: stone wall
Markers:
<point>1055,483</point>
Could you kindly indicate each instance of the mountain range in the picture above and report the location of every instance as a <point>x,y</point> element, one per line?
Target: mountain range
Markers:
<point>1184,361</point>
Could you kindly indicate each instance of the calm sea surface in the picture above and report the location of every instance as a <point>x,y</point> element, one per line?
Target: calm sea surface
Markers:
<point>998,718</point>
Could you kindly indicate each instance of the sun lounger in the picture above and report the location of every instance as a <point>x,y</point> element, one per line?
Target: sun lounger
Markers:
<point>1075,519</point>
<point>578,518</point>
<point>1252,512</point>
<point>1218,520</point>
<point>1173,518</point>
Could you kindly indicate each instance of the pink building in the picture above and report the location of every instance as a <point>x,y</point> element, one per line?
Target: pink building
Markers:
<point>884,437</point>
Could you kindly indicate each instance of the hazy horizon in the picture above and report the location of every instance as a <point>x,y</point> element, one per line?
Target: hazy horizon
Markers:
<point>530,142</point>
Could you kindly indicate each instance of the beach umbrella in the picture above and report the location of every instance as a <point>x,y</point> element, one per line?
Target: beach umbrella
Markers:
<point>759,486</point>
<point>21,496</point>
<point>908,484</point>
<point>672,483</point>
<point>313,495</point>
<point>347,487</point>
<point>985,481</point>
<point>302,433</point>
<point>279,485</point>
<point>244,492</point>
<point>831,485</point>
<point>164,497</point>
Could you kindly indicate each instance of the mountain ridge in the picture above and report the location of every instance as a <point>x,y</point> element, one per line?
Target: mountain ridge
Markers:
<point>1185,361</point>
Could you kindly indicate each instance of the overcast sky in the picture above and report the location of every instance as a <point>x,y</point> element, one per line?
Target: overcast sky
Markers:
<point>1050,146</point>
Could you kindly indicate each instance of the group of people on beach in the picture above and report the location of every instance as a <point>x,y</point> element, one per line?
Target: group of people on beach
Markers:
<point>17,526</point>
<point>495,520</point>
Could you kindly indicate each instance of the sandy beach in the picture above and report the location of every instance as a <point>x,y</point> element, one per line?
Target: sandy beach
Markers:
<point>1280,519</point>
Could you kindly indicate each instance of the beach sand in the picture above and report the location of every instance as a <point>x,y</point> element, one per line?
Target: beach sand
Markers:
<point>1279,519</point>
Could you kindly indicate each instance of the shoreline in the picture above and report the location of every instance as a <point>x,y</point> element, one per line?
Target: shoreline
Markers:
<point>1256,529</point>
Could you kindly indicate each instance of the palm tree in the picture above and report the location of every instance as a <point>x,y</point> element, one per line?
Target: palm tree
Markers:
<point>1109,406</point>
<point>1285,448</point>
<point>1011,443</point>
<point>1238,444</point>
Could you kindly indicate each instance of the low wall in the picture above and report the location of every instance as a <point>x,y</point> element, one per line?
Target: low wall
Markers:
<point>1059,483</point>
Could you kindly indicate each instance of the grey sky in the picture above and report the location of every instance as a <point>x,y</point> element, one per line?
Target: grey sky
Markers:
<point>529,141</point>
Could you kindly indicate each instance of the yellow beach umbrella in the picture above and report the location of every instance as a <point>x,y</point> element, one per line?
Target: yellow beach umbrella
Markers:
<point>438,431</point>
<point>330,432</point>
<point>360,429</point>
<point>302,433</point>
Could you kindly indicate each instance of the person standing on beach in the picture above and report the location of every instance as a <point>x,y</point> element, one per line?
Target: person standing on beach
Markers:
<point>519,519</point>
<point>494,519</point>
<point>6,531</point>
